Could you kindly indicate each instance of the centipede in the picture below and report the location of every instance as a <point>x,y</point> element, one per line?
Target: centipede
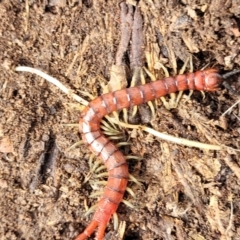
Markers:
<point>207,80</point>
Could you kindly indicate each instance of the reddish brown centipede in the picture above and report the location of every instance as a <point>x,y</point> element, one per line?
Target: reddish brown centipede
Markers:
<point>89,126</point>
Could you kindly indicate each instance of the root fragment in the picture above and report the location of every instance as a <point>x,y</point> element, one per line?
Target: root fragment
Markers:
<point>53,81</point>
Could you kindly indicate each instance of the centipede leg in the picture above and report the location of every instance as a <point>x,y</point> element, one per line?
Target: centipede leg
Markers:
<point>150,103</point>
<point>182,70</point>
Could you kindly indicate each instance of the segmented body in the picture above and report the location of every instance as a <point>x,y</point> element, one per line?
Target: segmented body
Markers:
<point>114,160</point>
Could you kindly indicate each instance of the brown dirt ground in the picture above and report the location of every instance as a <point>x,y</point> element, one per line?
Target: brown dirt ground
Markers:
<point>186,193</point>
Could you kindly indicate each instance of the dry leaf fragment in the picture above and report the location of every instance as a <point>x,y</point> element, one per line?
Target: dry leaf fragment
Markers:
<point>118,78</point>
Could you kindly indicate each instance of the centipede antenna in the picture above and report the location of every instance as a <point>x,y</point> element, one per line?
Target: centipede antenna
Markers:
<point>233,72</point>
<point>228,87</point>
<point>226,84</point>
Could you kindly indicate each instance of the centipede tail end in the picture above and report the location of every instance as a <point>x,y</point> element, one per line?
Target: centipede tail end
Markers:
<point>88,231</point>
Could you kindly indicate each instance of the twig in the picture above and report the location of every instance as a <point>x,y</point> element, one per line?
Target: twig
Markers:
<point>167,137</point>
<point>232,165</point>
<point>137,59</point>
<point>229,109</point>
<point>126,29</point>
<point>27,15</point>
<point>230,219</point>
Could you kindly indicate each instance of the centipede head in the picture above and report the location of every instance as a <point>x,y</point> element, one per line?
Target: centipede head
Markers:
<point>212,80</point>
